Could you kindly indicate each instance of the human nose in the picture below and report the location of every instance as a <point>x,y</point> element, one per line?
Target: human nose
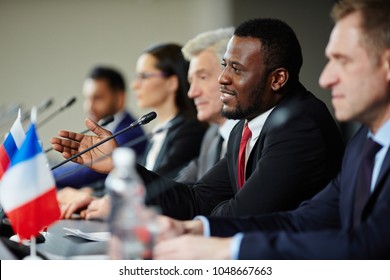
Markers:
<point>224,78</point>
<point>135,84</point>
<point>87,105</point>
<point>328,76</point>
<point>194,91</point>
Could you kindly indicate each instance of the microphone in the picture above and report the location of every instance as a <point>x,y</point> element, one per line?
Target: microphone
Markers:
<point>41,108</point>
<point>65,105</point>
<point>141,121</point>
<point>146,118</point>
<point>102,122</point>
<point>45,104</point>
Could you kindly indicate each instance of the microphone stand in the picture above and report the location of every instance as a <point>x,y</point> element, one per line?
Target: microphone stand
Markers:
<point>55,113</point>
<point>44,105</point>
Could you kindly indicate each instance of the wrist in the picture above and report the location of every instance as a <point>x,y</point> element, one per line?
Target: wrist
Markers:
<point>193,227</point>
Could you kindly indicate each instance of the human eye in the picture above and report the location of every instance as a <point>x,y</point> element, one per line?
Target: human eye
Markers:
<point>143,76</point>
<point>235,67</point>
<point>342,60</point>
<point>203,77</point>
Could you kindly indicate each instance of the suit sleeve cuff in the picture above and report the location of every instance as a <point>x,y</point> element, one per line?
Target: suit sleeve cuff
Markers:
<point>236,244</point>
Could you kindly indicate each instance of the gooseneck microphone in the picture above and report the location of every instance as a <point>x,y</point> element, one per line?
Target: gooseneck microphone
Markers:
<point>65,105</point>
<point>141,121</point>
<point>102,122</point>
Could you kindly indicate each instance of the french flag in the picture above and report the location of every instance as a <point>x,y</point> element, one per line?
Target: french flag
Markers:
<point>27,189</point>
<point>11,144</point>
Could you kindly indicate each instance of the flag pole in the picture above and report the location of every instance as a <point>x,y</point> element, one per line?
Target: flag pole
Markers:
<point>33,250</point>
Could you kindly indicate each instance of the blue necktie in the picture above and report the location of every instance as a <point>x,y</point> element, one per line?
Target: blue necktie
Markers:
<point>363,182</point>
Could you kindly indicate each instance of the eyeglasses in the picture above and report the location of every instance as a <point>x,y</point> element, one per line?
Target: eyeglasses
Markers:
<point>145,76</point>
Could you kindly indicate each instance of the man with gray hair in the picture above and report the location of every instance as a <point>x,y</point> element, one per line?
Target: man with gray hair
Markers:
<point>205,53</point>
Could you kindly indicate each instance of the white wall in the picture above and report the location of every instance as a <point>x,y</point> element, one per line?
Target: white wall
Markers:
<point>47,47</point>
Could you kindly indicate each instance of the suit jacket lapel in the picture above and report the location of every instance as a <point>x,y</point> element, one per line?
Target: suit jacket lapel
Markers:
<point>383,175</point>
<point>385,170</point>
<point>207,154</point>
<point>349,172</point>
<point>174,123</point>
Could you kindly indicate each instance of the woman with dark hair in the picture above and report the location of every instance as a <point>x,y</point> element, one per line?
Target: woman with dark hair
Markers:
<point>161,85</point>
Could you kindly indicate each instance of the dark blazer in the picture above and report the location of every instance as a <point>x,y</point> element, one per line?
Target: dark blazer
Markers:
<point>298,151</point>
<point>321,228</point>
<point>209,155</point>
<point>180,146</point>
<point>77,176</point>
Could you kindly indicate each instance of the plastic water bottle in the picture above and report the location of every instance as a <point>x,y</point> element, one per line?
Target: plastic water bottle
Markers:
<point>130,221</point>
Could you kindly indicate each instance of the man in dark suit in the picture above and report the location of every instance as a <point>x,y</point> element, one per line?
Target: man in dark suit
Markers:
<point>349,219</point>
<point>104,93</point>
<point>294,147</point>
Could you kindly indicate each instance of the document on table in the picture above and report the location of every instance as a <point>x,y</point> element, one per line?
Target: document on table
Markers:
<point>91,236</point>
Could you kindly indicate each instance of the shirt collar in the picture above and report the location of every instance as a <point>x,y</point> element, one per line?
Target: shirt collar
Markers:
<point>226,128</point>
<point>118,117</point>
<point>256,124</point>
<point>383,134</point>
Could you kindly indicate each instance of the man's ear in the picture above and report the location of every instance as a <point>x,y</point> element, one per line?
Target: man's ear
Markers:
<point>173,83</point>
<point>120,100</point>
<point>279,78</point>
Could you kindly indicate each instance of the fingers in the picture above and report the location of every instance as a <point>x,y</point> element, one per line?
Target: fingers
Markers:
<point>98,209</point>
<point>175,248</point>
<point>65,146</point>
<point>168,228</point>
<point>71,135</point>
<point>67,210</point>
<point>66,195</point>
<point>97,129</point>
<point>83,214</point>
<point>193,247</point>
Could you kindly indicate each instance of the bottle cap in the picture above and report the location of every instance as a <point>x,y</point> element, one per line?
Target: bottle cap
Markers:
<point>123,156</point>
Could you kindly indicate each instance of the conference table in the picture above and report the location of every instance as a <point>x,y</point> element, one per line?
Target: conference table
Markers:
<point>60,245</point>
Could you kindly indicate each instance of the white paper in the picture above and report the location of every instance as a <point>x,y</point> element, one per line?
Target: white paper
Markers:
<point>92,236</point>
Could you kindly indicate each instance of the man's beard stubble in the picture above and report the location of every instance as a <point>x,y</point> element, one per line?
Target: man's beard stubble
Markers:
<point>255,100</point>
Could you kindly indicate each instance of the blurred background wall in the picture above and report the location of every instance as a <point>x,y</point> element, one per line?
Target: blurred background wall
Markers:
<point>47,47</point>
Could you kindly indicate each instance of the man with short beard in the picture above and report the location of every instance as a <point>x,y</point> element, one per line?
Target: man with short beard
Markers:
<point>293,145</point>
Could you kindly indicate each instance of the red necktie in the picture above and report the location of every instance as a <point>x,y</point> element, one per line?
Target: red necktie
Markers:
<point>241,155</point>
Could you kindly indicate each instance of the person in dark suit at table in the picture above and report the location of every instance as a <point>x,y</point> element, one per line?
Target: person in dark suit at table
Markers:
<point>104,92</point>
<point>293,151</point>
<point>349,219</point>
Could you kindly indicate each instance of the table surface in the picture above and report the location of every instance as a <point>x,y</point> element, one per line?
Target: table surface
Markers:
<point>59,245</point>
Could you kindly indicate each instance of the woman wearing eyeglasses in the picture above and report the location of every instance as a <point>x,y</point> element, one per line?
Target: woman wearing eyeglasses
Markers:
<point>161,85</point>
